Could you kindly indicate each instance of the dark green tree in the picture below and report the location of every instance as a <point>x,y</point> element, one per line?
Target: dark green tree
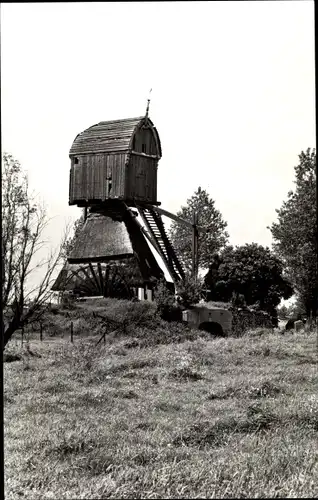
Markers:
<point>209,218</point>
<point>250,272</point>
<point>295,233</point>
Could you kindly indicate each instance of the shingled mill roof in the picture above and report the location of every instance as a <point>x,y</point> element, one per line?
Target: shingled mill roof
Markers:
<point>110,137</point>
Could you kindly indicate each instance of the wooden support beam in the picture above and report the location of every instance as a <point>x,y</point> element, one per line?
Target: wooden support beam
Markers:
<point>195,246</point>
<point>99,285</point>
<point>89,278</point>
<point>175,217</point>
<point>106,280</point>
<point>152,241</point>
<point>169,214</point>
<point>101,279</point>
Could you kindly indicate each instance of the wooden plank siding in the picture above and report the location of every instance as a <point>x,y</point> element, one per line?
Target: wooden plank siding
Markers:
<point>142,178</point>
<point>145,136</point>
<point>116,159</point>
<point>90,177</point>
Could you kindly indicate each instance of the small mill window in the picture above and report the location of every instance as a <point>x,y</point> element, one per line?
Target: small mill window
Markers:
<point>75,161</point>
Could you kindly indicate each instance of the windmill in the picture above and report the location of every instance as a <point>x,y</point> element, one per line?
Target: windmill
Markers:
<point>123,247</point>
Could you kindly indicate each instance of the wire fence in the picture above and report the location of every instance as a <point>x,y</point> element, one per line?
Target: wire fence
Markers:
<point>25,335</point>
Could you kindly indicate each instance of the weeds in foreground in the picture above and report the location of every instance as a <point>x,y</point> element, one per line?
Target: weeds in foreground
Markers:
<point>191,419</point>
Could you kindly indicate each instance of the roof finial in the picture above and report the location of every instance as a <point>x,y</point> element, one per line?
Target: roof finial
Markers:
<point>148,102</point>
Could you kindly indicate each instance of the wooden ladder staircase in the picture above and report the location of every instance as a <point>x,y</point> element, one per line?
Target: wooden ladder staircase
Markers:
<point>156,228</point>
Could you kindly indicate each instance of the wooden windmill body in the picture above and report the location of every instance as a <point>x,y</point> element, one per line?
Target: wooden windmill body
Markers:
<point>113,176</point>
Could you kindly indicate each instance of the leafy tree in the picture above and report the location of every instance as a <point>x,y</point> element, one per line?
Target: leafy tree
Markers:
<point>249,273</point>
<point>23,223</point>
<point>295,234</point>
<point>211,240</point>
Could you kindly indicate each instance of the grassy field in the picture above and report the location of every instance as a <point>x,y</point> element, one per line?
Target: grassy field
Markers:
<point>199,418</point>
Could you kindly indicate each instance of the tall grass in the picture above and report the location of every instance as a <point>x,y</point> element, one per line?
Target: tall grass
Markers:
<point>137,322</point>
<point>138,418</point>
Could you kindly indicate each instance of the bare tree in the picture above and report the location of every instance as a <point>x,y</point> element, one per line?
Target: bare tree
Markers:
<point>23,222</point>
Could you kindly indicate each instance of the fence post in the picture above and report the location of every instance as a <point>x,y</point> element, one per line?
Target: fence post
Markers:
<point>41,331</point>
<point>22,335</point>
<point>72,331</point>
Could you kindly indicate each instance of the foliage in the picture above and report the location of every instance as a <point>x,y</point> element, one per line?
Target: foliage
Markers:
<point>238,300</point>
<point>126,313</point>
<point>67,300</point>
<point>23,223</point>
<point>209,241</point>
<point>135,323</point>
<point>69,243</point>
<point>165,300</point>
<point>295,233</point>
<point>296,310</point>
<point>282,312</point>
<point>190,291</point>
<point>251,271</point>
<point>228,418</point>
<point>246,319</point>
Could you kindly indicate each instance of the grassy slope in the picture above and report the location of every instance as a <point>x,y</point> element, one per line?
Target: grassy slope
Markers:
<point>218,418</point>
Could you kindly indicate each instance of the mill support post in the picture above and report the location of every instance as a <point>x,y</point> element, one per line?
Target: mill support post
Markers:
<point>195,238</point>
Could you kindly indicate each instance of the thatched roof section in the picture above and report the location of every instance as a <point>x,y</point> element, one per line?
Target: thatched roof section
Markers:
<point>101,238</point>
<point>120,245</point>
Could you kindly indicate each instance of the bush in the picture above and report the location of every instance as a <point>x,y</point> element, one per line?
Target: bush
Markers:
<point>282,312</point>
<point>166,333</point>
<point>126,312</point>
<point>166,305</point>
<point>190,291</point>
<point>139,322</point>
<point>246,319</point>
<point>68,301</point>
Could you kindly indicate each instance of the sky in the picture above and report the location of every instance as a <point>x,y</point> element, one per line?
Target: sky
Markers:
<point>233,97</point>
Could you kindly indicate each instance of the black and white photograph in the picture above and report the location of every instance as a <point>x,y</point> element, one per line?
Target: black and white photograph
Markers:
<point>159,250</point>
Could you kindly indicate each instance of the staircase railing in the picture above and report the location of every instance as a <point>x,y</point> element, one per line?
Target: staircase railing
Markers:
<point>156,228</point>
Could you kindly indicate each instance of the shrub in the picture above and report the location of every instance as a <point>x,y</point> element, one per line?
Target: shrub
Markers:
<point>167,333</point>
<point>140,322</point>
<point>190,291</point>
<point>166,305</point>
<point>128,313</point>
<point>246,319</point>
<point>68,301</point>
